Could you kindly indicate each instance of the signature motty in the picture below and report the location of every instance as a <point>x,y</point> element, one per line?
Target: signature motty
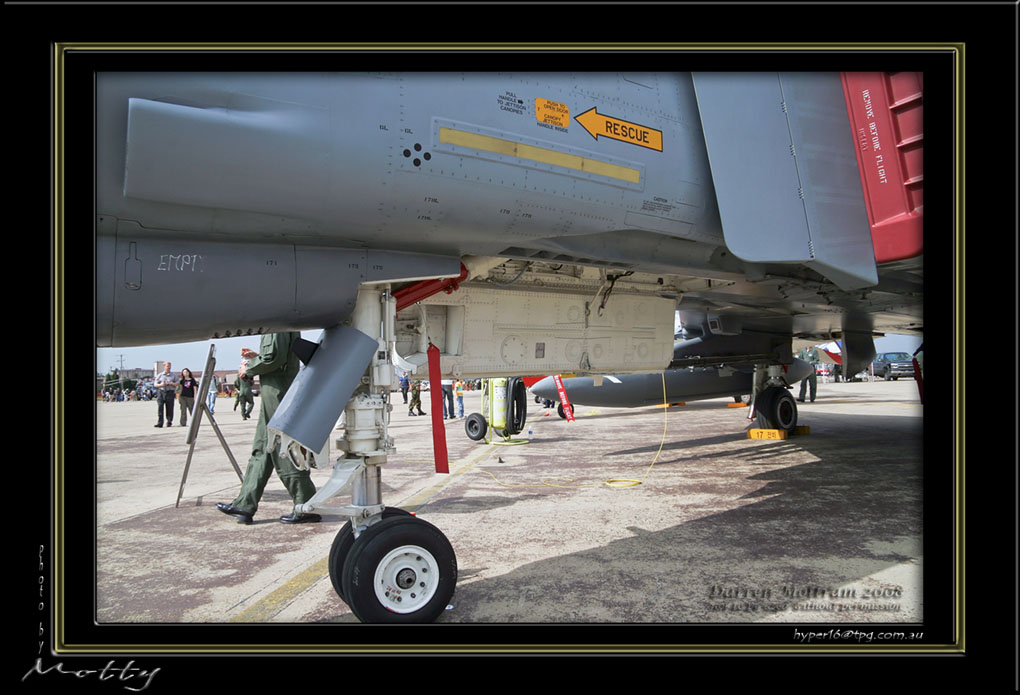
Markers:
<point>127,673</point>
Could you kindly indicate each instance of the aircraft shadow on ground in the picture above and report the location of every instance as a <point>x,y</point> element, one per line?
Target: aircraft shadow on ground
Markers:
<point>829,523</point>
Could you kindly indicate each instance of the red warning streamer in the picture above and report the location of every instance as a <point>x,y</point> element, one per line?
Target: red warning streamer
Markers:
<point>438,426</point>
<point>564,401</point>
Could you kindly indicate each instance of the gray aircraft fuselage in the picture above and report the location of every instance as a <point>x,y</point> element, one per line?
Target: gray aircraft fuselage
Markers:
<point>261,202</point>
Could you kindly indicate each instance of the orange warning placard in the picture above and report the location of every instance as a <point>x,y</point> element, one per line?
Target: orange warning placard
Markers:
<point>599,125</point>
<point>552,112</point>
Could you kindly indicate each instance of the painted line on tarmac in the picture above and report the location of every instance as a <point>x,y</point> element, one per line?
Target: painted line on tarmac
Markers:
<point>422,498</point>
<point>266,608</point>
<point>263,610</point>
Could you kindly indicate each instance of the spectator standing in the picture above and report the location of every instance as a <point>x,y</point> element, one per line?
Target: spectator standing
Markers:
<point>166,386</point>
<point>405,384</point>
<point>188,388</point>
<point>458,391</point>
<point>447,385</point>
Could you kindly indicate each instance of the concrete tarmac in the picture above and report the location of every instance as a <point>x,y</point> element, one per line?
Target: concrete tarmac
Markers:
<point>648,515</point>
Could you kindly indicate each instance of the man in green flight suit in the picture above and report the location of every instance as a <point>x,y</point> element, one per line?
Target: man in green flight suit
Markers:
<point>244,395</point>
<point>276,366</point>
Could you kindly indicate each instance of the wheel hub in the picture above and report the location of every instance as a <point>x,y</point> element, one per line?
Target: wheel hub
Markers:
<point>785,415</point>
<point>405,579</point>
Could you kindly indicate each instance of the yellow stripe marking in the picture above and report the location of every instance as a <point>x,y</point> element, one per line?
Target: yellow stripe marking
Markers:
<point>509,148</point>
<point>266,608</point>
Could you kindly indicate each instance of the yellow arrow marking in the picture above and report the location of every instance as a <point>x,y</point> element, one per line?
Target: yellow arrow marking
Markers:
<point>598,124</point>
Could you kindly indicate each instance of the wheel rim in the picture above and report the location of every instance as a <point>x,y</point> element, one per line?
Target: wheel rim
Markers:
<point>786,411</point>
<point>406,579</point>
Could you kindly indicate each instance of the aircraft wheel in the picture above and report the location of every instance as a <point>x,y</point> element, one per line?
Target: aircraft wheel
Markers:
<point>341,548</point>
<point>777,410</point>
<point>562,413</point>
<point>475,426</point>
<point>401,570</point>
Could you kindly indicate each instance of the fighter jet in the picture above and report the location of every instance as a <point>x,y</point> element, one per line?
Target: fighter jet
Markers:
<point>481,225</point>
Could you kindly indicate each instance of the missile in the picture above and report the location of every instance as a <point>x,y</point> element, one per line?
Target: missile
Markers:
<point>681,385</point>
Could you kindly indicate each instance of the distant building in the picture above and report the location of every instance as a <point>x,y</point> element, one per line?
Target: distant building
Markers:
<point>138,374</point>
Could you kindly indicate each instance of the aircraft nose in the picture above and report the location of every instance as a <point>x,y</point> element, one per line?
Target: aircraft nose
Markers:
<point>546,388</point>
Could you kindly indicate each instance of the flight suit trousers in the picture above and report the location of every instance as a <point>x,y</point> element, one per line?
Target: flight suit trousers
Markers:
<point>247,405</point>
<point>261,465</point>
<point>811,380</point>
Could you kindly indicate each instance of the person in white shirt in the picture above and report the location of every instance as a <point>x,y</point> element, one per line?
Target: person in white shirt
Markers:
<point>166,387</point>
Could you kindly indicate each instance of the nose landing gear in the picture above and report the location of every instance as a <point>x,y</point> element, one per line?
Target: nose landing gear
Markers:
<point>776,409</point>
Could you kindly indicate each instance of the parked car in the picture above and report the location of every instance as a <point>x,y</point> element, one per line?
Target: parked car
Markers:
<point>892,365</point>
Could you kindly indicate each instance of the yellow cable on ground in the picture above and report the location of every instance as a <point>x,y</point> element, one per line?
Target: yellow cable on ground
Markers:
<point>509,442</point>
<point>662,442</point>
<point>616,482</point>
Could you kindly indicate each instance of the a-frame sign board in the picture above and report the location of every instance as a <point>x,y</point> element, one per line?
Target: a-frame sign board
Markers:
<point>202,407</point>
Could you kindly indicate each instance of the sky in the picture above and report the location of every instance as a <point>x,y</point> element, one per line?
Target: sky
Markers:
<point>228,352</point>
<point>181,355</point>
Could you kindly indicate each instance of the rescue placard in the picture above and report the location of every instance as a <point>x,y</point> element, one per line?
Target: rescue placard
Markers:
<point>600,125</point>
<point>552,112</point>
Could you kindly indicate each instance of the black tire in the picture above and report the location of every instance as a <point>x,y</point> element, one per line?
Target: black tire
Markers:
<point>762,404</point>
<point>401,570</point>
<point>776,409</point>
<point>560,411</point>
<point>341,548</point>
<point>888,375</point>
<point>475,426</point>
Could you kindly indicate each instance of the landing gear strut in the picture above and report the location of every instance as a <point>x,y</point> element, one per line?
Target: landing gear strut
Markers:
<point>386,564</point>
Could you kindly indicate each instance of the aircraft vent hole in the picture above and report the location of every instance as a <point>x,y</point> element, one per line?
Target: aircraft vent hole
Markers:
<point>416,161</point>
